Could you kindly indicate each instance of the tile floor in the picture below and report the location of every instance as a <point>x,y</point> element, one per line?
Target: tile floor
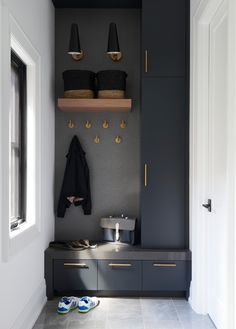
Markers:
<point>127,313</point>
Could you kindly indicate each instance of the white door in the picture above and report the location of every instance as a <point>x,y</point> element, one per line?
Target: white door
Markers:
<point>217,167</point>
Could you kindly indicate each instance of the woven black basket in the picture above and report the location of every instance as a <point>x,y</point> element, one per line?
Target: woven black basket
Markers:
<point>79,83</point>
<point>111,80</point>
<point>111,84</point>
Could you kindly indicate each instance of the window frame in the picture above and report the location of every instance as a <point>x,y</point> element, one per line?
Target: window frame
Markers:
<point>21,69</point>
<point>12,36</point>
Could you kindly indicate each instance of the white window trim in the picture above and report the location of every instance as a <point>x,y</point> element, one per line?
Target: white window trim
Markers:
<point>13,37</point>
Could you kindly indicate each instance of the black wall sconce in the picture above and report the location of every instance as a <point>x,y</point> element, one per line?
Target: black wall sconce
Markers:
<point>74,46</point>
<point>113,48</point>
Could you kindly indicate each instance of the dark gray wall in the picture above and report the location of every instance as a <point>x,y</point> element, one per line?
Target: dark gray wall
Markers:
<point>114,169</point>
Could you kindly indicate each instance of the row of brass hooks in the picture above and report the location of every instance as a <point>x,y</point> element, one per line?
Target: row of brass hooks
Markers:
<point>88,124</point>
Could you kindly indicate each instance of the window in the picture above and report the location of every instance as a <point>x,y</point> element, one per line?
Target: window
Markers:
<point>18,132</point>
<point>21,135</point>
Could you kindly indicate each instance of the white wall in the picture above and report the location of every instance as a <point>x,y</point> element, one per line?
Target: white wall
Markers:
<point>22,286</point>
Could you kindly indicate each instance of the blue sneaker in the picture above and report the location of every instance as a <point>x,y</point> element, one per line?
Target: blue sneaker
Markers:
<point>87,303</point>
<point>67,304</point>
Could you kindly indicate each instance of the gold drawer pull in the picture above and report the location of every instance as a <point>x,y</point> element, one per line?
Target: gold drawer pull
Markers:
<point>146,61</point>
<point>76,264</point>
<point>164,265</point>
<point>120,265</point>
<point>145,175</point>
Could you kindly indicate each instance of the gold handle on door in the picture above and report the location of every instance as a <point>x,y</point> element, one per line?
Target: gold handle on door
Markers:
<point>164,265</point>
<point>77,265</point>
<point>145,175</point>
<point>145,61</point>
<point>120,265</point>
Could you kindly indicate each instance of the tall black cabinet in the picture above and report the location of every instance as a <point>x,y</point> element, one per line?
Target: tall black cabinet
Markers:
<point>164,121</point>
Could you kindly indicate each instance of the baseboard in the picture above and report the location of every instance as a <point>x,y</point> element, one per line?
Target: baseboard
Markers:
<point>32,309</point>
<point>190,294</point>
<point>120,293</point>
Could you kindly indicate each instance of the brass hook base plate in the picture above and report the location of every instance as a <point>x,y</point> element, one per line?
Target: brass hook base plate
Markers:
<point>116,57</point>
<point>78,57</point>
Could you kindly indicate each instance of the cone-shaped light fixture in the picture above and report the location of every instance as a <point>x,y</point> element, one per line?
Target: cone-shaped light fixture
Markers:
<point>74,46</point>
<point>113,48</point>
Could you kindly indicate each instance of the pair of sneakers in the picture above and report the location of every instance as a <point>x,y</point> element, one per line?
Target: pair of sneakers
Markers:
<point>84,304</point>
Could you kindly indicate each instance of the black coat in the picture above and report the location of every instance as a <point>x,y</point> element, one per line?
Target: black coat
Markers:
<point>76,185</point>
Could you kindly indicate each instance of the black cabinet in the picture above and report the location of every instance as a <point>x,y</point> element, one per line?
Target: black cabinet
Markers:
<point>165,275</point>
<point>120,275</point>
<point>164,37</point>
<point>165,124</point>
<point>110,270</point>
<point>74,275</point>
<point>164,160</point>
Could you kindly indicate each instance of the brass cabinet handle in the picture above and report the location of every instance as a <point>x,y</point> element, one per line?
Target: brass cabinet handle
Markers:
<point>145,175</point>
<point>77,265</point>
<point>120,265</point>
<point>164,265</point>
<point>145,61</point>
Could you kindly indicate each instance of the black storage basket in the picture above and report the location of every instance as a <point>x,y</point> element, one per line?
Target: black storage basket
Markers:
<point>79,84</point>
<point>111,84</point>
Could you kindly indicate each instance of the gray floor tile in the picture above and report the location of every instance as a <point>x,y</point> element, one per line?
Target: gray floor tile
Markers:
<point>91,324</point>
<point>51,317</point>
<point>168,324</point>
<point>205,323</point>
<point>94,315</point>
<point>127,313</point>
<point>155,300</point>
<point>189,315</point>
<point>114,303</point>
<point>158,309</point>
<point>124,308</point>
<point>129,323</point>
<point>48,326</point>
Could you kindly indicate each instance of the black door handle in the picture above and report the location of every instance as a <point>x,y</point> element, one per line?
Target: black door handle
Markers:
<point>207,205</point>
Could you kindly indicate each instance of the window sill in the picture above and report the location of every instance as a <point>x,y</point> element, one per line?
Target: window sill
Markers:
<point>21,229</point>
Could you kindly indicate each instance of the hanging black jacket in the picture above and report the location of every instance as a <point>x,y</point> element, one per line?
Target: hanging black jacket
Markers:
<point>76,185</point>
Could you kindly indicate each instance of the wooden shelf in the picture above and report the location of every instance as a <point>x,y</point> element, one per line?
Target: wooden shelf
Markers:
<point>94,105</point>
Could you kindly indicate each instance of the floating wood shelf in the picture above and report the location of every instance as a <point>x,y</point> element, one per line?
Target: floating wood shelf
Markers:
<point>94,105</point>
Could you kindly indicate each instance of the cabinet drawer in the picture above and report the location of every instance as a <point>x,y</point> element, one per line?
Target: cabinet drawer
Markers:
<point>165,276</point>
<point>75,274</point>
<point>119,275</point>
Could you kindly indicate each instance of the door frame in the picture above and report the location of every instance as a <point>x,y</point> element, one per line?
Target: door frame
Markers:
<point>198,152</point>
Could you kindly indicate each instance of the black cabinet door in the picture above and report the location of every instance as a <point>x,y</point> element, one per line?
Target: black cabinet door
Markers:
<point>165,276</point>
<point>164,154</point>
<point>164,37</point>
<point>119,275</point>
<point>74,275</point>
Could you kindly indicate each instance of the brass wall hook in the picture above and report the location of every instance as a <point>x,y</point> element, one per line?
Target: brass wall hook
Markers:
<point>96,139</point>
<point>123,124</point>
<point>88,124</point>
<point>118,139</point>
<point>70,124</point>
<point>105,124</point>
